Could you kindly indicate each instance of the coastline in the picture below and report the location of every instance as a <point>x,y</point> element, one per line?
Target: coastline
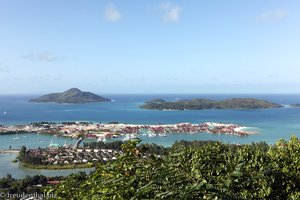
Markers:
<point>14,151</point>
<point>116,130</point>
<point>57,167</point>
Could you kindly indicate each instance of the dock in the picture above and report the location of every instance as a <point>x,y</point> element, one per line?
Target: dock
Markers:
<point>10,151</point>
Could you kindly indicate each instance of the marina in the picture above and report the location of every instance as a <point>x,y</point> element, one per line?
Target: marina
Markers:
<point>101,132</point>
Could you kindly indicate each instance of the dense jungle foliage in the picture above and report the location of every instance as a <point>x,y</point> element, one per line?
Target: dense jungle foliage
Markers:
<point>193,170</point>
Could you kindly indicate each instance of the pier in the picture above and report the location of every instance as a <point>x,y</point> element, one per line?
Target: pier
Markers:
<point>10,151</point>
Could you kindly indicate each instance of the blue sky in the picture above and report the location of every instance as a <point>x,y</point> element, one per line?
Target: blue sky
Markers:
<point>156,46</point>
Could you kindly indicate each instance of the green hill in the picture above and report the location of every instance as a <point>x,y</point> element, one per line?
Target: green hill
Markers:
<point>72,95</point>
<point>192,170</point>
<point>199,104</point>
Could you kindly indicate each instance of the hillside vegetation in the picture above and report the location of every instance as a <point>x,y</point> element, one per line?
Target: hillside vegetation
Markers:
<point>199,104</point>
<point>72,95</point>
<point>194,170</point>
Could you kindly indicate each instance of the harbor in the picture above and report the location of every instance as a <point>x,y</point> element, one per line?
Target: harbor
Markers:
<point>102,132</point>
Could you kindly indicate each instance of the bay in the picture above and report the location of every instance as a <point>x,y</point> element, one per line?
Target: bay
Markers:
<point>271,124</point>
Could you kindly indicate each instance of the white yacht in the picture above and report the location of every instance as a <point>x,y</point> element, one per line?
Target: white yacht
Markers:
<point>129,137</point>
<point>100,139</point>
<point>17,136</point>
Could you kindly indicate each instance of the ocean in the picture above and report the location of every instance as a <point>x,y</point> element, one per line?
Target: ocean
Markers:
<point>271,124</point>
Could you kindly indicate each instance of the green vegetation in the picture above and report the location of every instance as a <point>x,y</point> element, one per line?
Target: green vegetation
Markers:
<point>194,170</point>
<point>72,95</point>
<point>25,158</point>
<point>116,145</point>
<point>27,185</point>
<point>199,104</point>
<point>58,166</point>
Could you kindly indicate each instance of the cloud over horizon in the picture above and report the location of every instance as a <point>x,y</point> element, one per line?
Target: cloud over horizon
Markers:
<point>111,13</point>
<point>45,56</point>
<point>171,11</point>
<point>272,15</point>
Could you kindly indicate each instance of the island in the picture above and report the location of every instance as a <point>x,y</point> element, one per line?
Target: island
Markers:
<point>104,141</point>
<point>296,105</point>
<point>199,104</point>
<point>104,131</point>
<point>73,95</point>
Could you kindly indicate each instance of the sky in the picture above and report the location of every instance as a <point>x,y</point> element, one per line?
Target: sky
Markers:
<point>150,46</point>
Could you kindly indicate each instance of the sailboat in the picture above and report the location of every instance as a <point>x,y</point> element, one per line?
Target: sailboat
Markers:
<point>17,136</point>
<point>65,144</point>
<point>53,144</point>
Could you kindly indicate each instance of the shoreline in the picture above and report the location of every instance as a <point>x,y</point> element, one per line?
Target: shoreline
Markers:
<point>56,167</point>
<point>14,151</point>
<point>101,131</point>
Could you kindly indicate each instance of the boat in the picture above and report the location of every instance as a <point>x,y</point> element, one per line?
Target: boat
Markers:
<point>53,144</point>
<point>129,137</point>
<point>17,136</point>
<point>65,144</point>
<point>162,135</point>
<point>101,139</point>
<point>151,134</point>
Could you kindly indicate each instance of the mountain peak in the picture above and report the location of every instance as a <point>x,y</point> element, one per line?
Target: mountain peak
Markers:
<point>72,95</point>
<point>73,90</point>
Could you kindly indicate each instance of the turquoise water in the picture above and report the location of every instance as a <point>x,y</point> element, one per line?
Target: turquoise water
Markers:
<point>8,167</point>
<point>31,140</point>
<point>272,124</point>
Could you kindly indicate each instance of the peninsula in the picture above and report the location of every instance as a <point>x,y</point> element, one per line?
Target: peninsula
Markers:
<point>101,132</point>
<point>73,95</point>
<point>199,104</point>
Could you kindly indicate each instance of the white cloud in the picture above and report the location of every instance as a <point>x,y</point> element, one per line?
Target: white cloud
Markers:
<point>3,68</point>
<point>46,56</point>
<point>171,11</point>
<point>112,14</point>
<point>272,15</point>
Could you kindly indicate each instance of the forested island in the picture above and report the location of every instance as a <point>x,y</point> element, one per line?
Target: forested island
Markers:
<point>296,105</point>
<point>73,95</point>
<point>199,104</point>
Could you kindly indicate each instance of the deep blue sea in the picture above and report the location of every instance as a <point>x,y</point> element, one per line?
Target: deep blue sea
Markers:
<point>272,124</point>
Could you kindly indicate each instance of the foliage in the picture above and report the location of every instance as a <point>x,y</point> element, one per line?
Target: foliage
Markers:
<point>199,104</point>
<point>72,95</point>
<point>27,185</point>
<point>116,145</point>
<point>70,187</point>
<point>201,170</point>
<point>26,158</point>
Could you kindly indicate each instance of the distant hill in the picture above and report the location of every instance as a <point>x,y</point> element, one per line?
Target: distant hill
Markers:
<point>296,105</point>
<point>199,104</point>
<point>72,95</point>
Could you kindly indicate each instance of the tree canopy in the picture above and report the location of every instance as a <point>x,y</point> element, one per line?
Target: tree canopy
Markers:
<point>210,170</point>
